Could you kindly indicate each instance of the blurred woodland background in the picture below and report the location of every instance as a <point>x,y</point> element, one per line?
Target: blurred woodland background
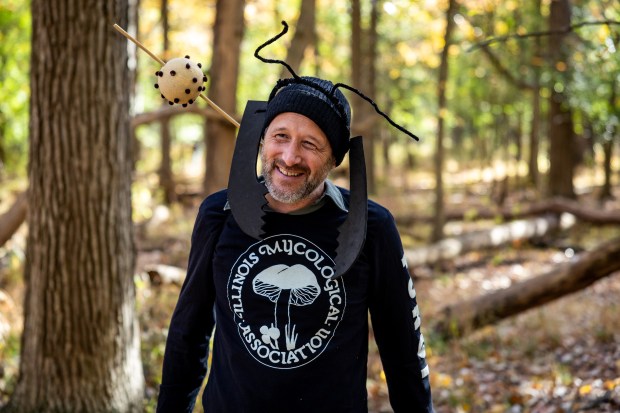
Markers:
<point>508,206</point>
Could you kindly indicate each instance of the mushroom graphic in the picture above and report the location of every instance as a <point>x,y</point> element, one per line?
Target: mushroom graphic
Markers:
<point>295,285</point>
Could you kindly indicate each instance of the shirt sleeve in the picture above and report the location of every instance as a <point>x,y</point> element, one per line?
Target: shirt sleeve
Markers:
<point>396,322</point>
<point>187,345</point>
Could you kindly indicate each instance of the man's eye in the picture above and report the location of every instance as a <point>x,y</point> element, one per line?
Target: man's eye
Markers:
<point>309,145</point>
<point>281,136</point>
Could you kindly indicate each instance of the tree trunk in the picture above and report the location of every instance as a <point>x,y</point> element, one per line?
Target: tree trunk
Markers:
<point>439,222</point>
<point>608,145</point>
<point>305,36</point>
<point>363,72</point>
<point>561,132</point>
<point>371,76</point>
<point>166,179</point>
<point>80,345</point>
<point>220,139</point>
<point>461,318</point>
<point>533,172</point>
<point>12,219</point>
<point>133,28</point>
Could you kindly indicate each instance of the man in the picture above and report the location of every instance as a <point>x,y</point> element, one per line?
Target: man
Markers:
<point>291,334</point>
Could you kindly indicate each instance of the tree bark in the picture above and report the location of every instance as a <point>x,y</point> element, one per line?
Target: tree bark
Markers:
<point>220,139</point>
<point>561,132</point>
<point>461,318</point>
<point>608,148</point>
<point>608,143</point>
<point>371,76</point>
<point>166,179</point>
<point>439,221</point>
<point>305,36</point>
<point>498,236</point>
<point>363,73</point>
<point>12,219</point>
<point>533,171</point>
<point>80,347</point>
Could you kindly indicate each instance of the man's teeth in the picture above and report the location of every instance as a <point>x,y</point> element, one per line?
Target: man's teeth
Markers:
<point>288,173</point>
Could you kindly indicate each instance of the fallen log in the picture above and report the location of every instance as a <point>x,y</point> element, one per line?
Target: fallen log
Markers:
<point>462,318</point>
<point>165,274</point>
<point>12,219</point>
<point>555,205</point>
<point>497,236</point>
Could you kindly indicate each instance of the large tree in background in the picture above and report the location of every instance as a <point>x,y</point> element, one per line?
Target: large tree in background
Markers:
<point>80,345</point>
<point>363,75</point>
<point>304,38</point>
<point>220,140</point>
<point>561,131</point>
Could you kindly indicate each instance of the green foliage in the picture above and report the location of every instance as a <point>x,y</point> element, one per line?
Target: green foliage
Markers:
<point>9,352</point>
<point>595,85</point>
<point>14,78</point>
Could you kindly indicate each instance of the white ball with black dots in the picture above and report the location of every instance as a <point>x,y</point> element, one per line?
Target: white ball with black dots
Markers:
<point>180,81</point>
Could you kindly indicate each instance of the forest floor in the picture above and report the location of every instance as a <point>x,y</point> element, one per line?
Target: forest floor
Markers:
<point>562,357</point>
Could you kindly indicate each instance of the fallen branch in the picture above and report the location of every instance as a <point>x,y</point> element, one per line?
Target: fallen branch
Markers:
<point>459,319</point>
<point>566,30</point>
<point>165,112</point>
<point>497,236</point>
<point>556,205</point>
<point>165,274</point>
<point>11,220</point>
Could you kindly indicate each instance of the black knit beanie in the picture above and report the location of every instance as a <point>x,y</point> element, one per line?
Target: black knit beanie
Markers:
<point>310,97</point>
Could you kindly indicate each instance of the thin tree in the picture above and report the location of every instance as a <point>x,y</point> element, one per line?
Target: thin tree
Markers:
<point>304,37</point>
<point>363,73</point>
<point>561,131</point>
<point>80,345</point>
<point>166,179</point>
<point>608,142</point>
<point>220,139</point>
<point>439,220</point>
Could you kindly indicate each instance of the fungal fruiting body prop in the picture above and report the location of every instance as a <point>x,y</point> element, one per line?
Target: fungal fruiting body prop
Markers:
<point>182,89</point>
<point>180,81</point>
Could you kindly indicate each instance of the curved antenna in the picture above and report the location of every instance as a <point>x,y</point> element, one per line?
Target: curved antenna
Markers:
<point>270,41</point>
<point>374,105</point>
<point>330,94</point>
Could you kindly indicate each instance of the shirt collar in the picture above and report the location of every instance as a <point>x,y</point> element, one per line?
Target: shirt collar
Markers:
<point>331,192</point>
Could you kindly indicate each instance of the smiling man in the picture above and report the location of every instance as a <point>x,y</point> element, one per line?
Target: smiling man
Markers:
<point>292,334</point>
<point>296,158</point>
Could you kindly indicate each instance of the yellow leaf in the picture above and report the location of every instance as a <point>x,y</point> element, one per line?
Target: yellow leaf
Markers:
<point>501,28</point>
<point>444,380</point>
<point>585,389</point>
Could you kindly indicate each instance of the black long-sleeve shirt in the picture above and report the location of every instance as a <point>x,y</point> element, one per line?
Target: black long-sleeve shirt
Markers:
<point>289,338</point>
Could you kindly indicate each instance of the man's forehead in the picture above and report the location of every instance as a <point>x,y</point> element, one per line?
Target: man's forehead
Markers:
<point>291,121</point>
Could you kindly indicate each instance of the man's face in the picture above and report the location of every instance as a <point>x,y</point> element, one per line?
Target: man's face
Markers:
<point>296,158</point>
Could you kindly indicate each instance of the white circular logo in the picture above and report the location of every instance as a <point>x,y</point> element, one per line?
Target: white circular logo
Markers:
<point>285,304</point>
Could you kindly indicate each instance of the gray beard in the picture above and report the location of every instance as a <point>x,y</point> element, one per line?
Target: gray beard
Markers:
<point>292,196</point>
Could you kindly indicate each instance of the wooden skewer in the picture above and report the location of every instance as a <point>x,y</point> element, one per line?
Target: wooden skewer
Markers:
<point>162,62</point>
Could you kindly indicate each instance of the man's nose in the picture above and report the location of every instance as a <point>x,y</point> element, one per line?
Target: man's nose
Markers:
<point>290,154</point>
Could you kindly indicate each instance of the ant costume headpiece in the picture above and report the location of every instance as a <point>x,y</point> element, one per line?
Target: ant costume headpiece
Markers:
<point>322,102</point>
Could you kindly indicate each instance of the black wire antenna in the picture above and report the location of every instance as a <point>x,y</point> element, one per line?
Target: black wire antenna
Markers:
<point>329,93</point>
